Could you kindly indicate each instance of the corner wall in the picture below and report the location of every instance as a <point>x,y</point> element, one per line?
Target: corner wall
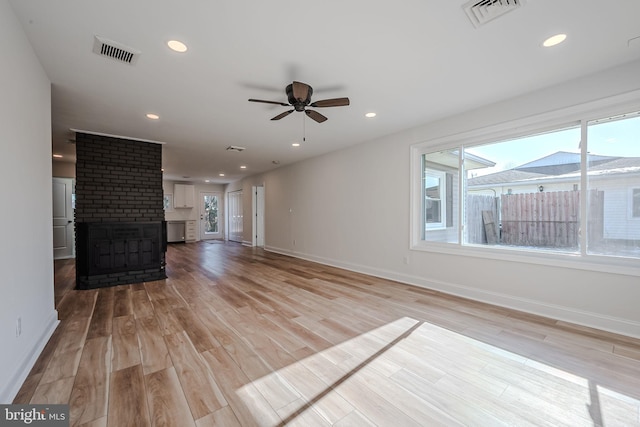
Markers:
<point>26,257</point>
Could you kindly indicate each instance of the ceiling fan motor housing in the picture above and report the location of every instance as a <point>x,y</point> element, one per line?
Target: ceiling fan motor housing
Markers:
<point>298,104</point>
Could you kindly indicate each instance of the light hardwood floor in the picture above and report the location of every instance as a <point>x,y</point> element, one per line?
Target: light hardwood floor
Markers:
<point>238,336</point>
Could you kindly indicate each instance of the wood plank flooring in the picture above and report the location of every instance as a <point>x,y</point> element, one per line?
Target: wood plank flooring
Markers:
<point>238,336</point>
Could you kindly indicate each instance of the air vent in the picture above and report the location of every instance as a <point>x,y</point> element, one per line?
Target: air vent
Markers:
<point>115,50</point>
<point>235,148</point>
<point>483,11</point>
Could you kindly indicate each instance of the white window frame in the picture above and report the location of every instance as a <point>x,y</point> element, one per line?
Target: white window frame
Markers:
<point>442,177</point>
<point>167,202</point>
<point>544,122</point>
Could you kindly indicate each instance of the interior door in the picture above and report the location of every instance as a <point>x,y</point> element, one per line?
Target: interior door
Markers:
<point>63,227</point>
<point>211,218</point>
<point>234,205</point>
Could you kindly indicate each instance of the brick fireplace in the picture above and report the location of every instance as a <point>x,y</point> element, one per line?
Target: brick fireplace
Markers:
<point>120,228</point>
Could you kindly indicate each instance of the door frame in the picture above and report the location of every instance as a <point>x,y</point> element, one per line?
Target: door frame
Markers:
<point>257,210</point>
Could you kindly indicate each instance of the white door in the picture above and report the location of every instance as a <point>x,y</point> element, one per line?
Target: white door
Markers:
<point>211,216</point>
<point>258,216</point>
<point>234,204</point>
<point>63,227</point>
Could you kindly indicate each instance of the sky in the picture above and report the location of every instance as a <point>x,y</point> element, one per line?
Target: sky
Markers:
<point>610,138</point>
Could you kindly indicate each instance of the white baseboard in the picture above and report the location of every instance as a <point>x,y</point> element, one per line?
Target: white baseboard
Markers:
<point>594,320</point>
<point>13,387</point>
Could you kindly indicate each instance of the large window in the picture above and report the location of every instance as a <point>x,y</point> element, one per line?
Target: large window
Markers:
<point>574,189</point>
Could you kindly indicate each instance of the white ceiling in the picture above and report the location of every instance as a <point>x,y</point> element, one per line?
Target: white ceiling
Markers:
<point>410,61</point>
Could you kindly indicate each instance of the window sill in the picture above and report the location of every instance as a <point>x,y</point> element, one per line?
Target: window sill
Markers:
<point>599,263</point>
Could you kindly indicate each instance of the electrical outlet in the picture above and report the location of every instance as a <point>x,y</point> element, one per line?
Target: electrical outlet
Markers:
<point>18,327</point>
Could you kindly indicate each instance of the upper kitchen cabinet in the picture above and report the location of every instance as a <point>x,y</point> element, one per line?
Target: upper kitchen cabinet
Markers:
<point>183,196</point>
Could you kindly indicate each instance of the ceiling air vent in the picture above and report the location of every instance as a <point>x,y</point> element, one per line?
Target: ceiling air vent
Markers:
<point>115,50</point>
<point>483,11</point>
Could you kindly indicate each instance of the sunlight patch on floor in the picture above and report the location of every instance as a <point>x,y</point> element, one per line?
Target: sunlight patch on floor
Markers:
<point>409,372</point>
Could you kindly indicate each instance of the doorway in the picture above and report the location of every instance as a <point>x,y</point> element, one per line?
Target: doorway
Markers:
<point>211,220</point>
<point>63,219</point>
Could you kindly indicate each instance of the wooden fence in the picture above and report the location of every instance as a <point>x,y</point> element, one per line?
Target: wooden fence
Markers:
<point>550,219</point>
<point>475,225</point>
<point>546,219</point>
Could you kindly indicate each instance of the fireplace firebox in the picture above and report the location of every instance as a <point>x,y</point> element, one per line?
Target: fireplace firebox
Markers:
<point>116,253</point>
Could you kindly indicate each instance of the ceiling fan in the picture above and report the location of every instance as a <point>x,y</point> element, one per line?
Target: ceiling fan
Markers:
<point>299,96</point>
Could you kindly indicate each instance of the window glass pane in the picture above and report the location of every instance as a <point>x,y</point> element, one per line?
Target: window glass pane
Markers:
<point>613,174</point>
<point>440,196</point>
<point>211,214</point>
<point>524,192</point>
<point>433,197</point>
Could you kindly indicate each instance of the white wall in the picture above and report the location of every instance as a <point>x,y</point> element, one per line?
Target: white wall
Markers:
<point>26,260</point>
<point>350,208</point>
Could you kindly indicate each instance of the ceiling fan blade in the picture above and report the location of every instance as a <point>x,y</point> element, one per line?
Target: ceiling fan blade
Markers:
<point>281,115</point>
<point>335,102</point>
<point>315,116</point>
<point>301,91</point>
<point>269,102</point>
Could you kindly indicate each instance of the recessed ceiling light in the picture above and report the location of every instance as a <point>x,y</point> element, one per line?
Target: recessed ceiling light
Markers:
<point>176,45</point>
<point>57,156</point>
<point>152,116</point>
<point>206,180</point>
<point>243,167</point>
<point>221,174</point>
<point>370,115</point>
<point>554,40</point>
<point>295,144</point>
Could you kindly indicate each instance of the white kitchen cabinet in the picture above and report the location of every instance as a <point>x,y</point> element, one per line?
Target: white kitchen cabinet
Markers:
<point>190,231</point>
<point>183,196</point>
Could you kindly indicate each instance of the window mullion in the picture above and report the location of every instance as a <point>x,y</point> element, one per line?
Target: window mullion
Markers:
<point>584,190</point>
<point>461,185</point>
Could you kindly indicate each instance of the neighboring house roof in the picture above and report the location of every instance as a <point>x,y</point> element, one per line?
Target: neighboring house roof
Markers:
<point>562,158</point>
<point>501,177</point>
<point>558,166</point>
<point>451,159</point>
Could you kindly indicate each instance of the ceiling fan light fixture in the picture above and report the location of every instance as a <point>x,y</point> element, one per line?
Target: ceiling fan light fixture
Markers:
<point>299,97</point>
